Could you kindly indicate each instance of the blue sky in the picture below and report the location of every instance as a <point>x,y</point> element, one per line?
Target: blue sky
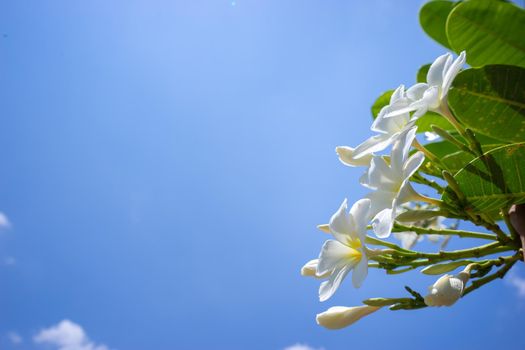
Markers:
<point>165,164</point>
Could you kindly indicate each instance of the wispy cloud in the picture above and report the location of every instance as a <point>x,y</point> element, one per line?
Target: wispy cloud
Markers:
<point>67,335</point>
<point>299,346</point>
<point>4,221</point>
<point>518,283</point>
<point>14,338</point>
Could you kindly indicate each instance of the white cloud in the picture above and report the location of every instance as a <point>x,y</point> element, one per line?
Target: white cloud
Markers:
<point>4,221</point>
<point>299,346</point>
<point>14,338</point>
<point>67,335</point>
<point>518,283</point>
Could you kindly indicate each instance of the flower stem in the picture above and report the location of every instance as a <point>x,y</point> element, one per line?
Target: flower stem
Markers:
<point>445,232</point>
<point>426,152</point>
<point>424,181</point>
<point>498,274</point>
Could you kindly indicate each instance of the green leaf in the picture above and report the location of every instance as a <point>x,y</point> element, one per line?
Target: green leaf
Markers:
<point>491,101</point>
<point>493,181</point>
<point>422,73</point>
<point>433,19</point>
<point>453,158</point>
<point>492,32</point>
<point>423,123</point>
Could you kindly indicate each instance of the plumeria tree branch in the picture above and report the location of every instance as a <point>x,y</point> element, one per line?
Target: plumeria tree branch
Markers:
<point>393,207</point>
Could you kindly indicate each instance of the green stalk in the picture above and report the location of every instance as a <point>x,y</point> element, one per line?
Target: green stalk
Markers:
<point>445,232</point>
<point>498,274</point>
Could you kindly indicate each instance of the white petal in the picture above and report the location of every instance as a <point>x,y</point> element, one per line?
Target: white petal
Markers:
<point>334,255</point>
<point>451,74</point>
<point>328,288</point>
<point>401,149</point>
<point>380,200</point>
<point>338,317</point>
<point>341,224</point>
<point>431,98</point>
<point>346,156</point>
<point>383,222</point>
<point>435,72</point>
<point>420,109</point>
<point>392,125</point>
<point>375,143</point>
<point>416,91</point>
<point>434,238</point>
<point>407,193</point>
<point>310,269</point>
<point>400,111</point>
<point>360,272</point>
<point>398,94</point>
<point>359,213</point>
<point>380,176</point>
<point>408,239</point>
<point>412,164</point>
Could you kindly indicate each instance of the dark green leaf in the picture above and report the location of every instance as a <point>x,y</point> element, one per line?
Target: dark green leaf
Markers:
<point>494,180</point>
<point>433,18</point>
<point>492,32</point>
<point>491,101</point>
<point>453,158</point>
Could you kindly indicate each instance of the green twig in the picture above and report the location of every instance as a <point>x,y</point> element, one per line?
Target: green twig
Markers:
<point>445,232</point>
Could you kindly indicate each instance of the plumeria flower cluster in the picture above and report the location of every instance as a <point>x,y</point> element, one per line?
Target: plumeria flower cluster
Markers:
<point>387,177</point>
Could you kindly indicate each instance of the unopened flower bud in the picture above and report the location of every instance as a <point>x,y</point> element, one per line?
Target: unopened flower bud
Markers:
<point>340,316</point>
<point>447,289</point>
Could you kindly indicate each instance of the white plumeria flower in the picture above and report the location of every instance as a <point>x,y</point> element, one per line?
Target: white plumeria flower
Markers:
<point>347,252</point>
<point>310,269</point>
<point>388,129</point>
<point>432,95</point>
<point>391,182</point>
<point>447,289</point>
<point>338,317</point>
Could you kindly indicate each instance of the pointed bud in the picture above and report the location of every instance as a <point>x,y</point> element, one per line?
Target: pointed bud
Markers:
<point>340,316</point>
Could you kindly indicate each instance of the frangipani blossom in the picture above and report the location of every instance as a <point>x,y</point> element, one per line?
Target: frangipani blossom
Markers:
<point>338,317</point>
<point>447,289</point>
<point>388,129</point>
<point>432,95</point>
<point>391,182</point>
<point>347,252</point>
